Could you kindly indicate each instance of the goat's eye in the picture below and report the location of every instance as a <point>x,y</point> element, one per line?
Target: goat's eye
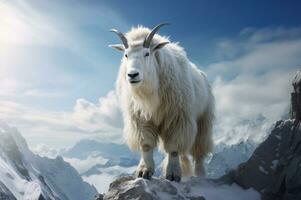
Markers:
<point>125,55</point>
<point>146,54</point>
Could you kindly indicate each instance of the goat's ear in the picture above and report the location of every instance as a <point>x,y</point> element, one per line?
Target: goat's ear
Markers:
<point>159,46</point>
<point>119,47</point>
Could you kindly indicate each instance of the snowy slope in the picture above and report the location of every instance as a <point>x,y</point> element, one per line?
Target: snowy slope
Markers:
<point>24,175</point>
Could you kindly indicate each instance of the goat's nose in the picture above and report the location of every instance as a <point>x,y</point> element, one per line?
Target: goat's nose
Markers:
<point>133,75</point>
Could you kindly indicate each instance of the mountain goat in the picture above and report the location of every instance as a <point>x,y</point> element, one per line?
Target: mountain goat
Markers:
<point>166,100</point>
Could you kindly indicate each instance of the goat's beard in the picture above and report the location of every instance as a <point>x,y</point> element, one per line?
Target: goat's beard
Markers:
<point>146,97</point>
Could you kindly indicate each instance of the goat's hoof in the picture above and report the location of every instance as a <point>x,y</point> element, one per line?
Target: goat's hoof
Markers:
<point>146,174</point>
<point>173,177</point>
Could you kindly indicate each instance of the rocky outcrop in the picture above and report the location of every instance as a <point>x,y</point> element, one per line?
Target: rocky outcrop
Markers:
<point>192,189</point>
<point>296,97</point>
<point>274,169</point>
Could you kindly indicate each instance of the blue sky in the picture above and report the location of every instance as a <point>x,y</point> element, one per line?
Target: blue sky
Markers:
<point>55,64</point>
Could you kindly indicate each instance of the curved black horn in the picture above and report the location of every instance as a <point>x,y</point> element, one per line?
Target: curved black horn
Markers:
<point>122,37</point>
<point>150,36</point>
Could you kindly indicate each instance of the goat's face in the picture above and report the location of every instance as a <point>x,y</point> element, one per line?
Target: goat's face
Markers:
<point>139,58</point>
<point>140,66</point>
<point>136,61</point>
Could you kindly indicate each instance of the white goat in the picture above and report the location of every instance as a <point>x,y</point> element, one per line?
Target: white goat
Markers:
<point>165,99</point>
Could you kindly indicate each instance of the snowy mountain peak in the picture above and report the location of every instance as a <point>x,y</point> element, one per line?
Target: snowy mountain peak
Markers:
<point>25,175</point>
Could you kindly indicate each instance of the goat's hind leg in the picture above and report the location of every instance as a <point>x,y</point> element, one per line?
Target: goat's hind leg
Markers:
<point>203,143</point>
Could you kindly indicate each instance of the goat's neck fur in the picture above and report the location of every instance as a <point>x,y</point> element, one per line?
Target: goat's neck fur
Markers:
<point>145,99</point>
<point>154,99</point>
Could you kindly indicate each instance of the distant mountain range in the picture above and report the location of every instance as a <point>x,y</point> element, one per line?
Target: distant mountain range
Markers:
<point>120,161</point>
<point>87,147</point>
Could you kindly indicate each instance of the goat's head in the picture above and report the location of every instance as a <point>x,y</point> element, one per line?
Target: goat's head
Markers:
<point>139,56</point>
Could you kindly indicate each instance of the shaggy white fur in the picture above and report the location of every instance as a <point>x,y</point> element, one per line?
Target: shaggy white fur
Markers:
<point>170,104</point>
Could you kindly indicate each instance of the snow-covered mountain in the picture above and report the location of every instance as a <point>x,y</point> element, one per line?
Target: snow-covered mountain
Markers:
<point>27,176</point>
<point>87,147</point>
<point>228,157</point>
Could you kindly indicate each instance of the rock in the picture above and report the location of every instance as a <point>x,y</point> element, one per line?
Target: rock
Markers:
<point>194,188</point>
<point>274,168</point>
<point>99,197</point>
<point>296,97</point>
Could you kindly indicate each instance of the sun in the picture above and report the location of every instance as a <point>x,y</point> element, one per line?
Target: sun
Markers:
<point>15,28</point>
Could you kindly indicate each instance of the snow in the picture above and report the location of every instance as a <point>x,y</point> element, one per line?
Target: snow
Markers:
<point>227,157</point>
<point>223,192</point>
<point>278,137</point>
<point>19,187</point>
<point>274,164</point>
<point>263,170</point>
<point>45,151</point>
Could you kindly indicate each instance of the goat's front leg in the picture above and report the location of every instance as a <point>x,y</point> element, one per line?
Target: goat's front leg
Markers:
<point>146,166</point>
<point>172,168</point>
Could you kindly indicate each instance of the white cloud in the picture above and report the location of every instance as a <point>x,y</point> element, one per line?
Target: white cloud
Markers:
<point>252,82</point>
<point>40,93</point>
<point>102,181</point>
<point>8,87</point>
<point>247,106</point>
<point>88,115</point>
<point>270,33</point>
<point>259,58</point>
<point>62,129</point>
<point>84,165</point>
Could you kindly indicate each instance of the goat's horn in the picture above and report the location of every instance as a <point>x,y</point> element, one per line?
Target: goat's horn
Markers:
<point>150,36</point>
<point>122,37</point>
